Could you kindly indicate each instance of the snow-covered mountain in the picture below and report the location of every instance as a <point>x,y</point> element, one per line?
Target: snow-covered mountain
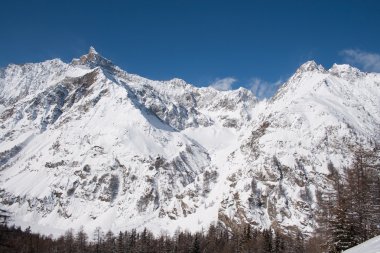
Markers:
<point>87,143</point>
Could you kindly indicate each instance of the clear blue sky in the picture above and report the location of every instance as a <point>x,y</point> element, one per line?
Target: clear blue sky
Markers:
<point>199,41</point>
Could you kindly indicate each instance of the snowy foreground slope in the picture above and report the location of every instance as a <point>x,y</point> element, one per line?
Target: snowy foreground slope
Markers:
<point>370,246</point>
<point>87,143</point>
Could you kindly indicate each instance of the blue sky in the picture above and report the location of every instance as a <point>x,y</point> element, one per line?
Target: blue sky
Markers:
<point>255,44</point>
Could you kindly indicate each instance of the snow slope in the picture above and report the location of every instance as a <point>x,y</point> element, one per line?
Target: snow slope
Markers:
<point>86,143</point>
<point>370,246</point>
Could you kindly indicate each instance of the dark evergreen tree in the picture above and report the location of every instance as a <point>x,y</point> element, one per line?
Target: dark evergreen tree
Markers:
<point>81,240</point>
<point>279,245</point>
<point>120,243</point>
<point>196,244</point>
<point>267,241</point>
<point>69,241</point>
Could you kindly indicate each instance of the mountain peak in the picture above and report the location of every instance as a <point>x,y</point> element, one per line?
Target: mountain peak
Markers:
<point>92,50</point>
<point>93,59</point>
<point>310,66</point>
<point>92,54</point>
<point>344,70</point>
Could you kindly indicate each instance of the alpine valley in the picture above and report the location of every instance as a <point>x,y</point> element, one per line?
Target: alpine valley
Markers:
<point>86,143</point>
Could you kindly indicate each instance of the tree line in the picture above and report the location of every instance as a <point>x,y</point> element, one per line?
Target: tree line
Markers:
<point>216,239</point>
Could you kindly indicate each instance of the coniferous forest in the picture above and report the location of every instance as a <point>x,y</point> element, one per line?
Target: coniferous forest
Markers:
<point>348,214</point>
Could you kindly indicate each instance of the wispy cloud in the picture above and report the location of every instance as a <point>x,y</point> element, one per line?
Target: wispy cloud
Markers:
<point>368,61</point>
<point>223,84</point>
<point>259,87</point>
<point>264,89</point>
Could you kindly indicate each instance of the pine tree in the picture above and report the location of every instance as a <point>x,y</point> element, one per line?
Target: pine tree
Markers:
<point>211,238</point>
<point>350,212</point>
<point>81,240</point>
<point>98,237</point>
<point>279,245</point>
<point>132,240</point>
<point>196,247</point>
<point>110,245</point>
<point>267,241</point>
<point>69,241</point>
<point>120,243</point>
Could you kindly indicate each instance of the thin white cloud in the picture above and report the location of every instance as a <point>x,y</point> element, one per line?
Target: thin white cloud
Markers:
<point>264,89</point>
<point>223,84</point>
<point>368,61</point>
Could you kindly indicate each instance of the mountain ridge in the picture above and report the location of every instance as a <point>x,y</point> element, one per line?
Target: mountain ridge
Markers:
<point>131,152</point>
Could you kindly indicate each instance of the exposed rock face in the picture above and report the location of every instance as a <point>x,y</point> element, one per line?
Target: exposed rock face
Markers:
<point>88,143</point>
